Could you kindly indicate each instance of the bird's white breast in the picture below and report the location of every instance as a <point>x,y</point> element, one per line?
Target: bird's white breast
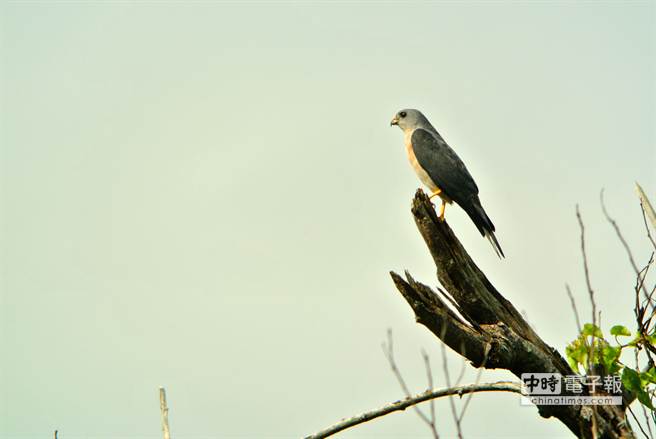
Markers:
<point>423,175</point>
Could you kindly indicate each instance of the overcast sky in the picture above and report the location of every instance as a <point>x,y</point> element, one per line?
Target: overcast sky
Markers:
<point>208,196</point>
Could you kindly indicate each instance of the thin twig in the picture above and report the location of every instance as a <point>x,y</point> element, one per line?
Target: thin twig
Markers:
<point>594,313</point>
<point>388,350</point>
<point>644,410</point>
<point>588,283</point>
<point>576,313</point>
<point>429,375</point>
<point>452,404</point>
<point>478,379</point>
<point>618,232</point>
<point>585,268</point>
<point>640,279</point>
<point>461,374</point>
<point>638,422</point>
<point>500,386</point>
<point>644,219</point>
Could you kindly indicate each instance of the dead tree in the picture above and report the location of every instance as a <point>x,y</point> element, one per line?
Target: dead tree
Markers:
<point>487,330</point>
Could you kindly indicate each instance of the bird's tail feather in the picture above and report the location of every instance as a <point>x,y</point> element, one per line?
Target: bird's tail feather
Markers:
<point>484,224</point>
<point>495,244</point>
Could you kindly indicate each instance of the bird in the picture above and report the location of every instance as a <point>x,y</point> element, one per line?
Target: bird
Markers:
<point>441,170</point>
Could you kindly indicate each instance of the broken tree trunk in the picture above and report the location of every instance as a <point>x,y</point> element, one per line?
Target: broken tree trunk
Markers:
<point>491,333</point>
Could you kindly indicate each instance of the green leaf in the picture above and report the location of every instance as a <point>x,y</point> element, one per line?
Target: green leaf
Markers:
<point>572,356</point>
<point>590,330</point>
<point>610,355</point>
<point>620,330</point>
<point>577,353</point>
<point>645,399</point>
<point>631,380</point>
<point>573,363</point>
<point>649,376</point>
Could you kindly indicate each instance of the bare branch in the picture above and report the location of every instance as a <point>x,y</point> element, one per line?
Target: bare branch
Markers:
<point>452,404</point>
<point>644,219</point>
<point>501,386</point>
<point>576,313</point>
<point>461,374</point>
<point>585,267</point>
<point>623,241</point>
<point>644,410</point>
<point>638,422</point>
<point>389,353</point>
<point>478,379</point>
<point>591,346</point>
<point>429,375</point>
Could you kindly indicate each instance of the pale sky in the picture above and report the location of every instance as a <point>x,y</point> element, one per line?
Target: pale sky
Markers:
<point>208,196</point>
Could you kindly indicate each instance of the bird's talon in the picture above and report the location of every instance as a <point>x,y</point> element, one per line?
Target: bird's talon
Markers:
<point>435,194</point>
<point>441,214</point>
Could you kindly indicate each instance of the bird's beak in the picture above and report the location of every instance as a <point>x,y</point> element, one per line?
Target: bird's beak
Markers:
<point>394,121</point>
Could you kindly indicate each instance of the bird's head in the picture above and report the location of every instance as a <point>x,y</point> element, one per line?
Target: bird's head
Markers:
<point>409,119</point>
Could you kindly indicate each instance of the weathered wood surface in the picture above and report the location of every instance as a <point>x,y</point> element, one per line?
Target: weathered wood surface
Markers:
<point>489,331</point>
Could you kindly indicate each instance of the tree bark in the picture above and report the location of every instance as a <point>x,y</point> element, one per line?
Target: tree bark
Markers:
<point>487,329</point>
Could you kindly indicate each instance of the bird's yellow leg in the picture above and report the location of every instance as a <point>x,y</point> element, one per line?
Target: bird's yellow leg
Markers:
<point>435,193</point>
<point>441,215</point>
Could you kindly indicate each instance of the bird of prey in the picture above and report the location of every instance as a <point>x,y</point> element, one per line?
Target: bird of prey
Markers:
<point>441,170</point>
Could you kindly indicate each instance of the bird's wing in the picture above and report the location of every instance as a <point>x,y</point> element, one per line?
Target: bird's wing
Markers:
<point>443,166</point>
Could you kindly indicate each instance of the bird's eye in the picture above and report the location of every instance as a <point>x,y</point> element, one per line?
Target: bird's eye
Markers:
<point>403,114</point>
